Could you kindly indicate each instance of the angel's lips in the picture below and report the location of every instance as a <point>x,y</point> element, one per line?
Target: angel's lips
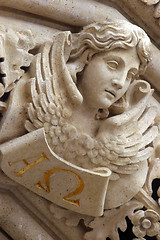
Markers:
<point>111,93</point>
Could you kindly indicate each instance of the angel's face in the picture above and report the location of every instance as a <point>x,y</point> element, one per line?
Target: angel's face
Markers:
<point>107,77</point>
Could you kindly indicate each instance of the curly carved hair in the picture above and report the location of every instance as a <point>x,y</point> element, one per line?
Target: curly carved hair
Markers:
<point>106,36</point>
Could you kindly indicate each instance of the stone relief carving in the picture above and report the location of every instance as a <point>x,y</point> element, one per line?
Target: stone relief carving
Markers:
<point>156,4</point>
<point>89,128</point>
<point>150,2</point>
<point>13,44</point>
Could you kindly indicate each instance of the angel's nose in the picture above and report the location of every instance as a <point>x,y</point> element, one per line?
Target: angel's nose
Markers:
<point>117,83</point>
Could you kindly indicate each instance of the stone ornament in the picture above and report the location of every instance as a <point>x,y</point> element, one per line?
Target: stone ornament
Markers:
<point>13,44</point>
<point>87,131</point>
<point>150,2</point>
<point>157,7</point>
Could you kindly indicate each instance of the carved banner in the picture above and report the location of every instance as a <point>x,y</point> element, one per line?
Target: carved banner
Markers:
<point>39,169</point>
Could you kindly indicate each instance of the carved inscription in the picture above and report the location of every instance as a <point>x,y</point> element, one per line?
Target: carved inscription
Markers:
<point>46,178</point>
<point>29,166</point>
<point>78,190</point>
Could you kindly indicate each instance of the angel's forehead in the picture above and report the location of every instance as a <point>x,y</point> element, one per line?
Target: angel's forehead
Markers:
<point>128,57</point>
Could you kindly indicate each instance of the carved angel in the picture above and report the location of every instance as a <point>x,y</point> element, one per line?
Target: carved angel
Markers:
<point>95,110</point>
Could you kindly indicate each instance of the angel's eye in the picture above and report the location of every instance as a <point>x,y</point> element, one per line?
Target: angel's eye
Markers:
<point>112,64</point>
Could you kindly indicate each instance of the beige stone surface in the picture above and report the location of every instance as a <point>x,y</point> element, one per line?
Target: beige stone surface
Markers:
<point>23,226</point>
<point>79,130</point>
<point>77,13</point>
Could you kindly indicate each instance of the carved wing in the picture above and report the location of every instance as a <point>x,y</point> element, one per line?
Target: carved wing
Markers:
<point>129,136</point>
<point>53,92</point>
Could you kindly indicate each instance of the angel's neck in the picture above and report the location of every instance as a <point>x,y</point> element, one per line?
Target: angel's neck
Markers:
<point>83,118</point>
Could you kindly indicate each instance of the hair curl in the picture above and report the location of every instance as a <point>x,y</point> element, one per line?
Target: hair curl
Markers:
<point>106,36</point>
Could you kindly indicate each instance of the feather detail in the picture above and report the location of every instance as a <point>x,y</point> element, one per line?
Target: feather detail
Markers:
<point>34,93</point>
<point>128,169</point>
<point>40,114</point>
<point>148,137</point>
<point>29,126</point>
<point>43,102</point>
<point>49,90</point>
<point>57,56</point>
<point>129,152</point>
<point>142,155</point>
<point>37,123</point>
<point>147,119</point>
<point>31,112</point>
<point>35,69</point>
<point>46,71</point>
<point>51,108</point>
<point>133,140</point>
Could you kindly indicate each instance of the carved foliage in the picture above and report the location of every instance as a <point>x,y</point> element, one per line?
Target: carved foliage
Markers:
<point>72,219</point>
<point>146,223</point>
<point>14,54</point>
<point>143,214</point>
<point>107,226</point>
